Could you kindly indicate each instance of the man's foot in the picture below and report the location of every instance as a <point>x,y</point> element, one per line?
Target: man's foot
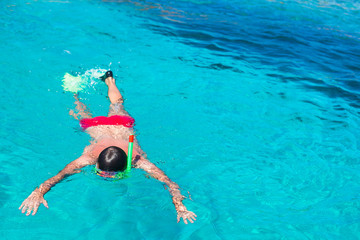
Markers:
<point>106,75</point>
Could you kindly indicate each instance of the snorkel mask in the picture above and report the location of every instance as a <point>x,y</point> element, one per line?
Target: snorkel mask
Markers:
<point>119,175</point>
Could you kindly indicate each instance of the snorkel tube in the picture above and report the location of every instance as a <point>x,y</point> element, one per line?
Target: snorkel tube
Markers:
<point>130,152</point>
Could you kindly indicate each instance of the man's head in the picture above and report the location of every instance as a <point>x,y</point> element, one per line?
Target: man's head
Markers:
<point>112,159</point>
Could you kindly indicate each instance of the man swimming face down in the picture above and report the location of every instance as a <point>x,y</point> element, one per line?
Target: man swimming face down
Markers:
<point>111,160</point>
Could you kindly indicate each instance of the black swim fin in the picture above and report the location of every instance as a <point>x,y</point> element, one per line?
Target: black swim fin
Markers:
<point>106,75</point>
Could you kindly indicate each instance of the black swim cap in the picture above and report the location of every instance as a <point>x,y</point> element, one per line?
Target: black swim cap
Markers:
<point>112,159</point>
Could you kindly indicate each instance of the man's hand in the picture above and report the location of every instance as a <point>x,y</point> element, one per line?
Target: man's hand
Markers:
<point>186,215</point>
<point>33,202</point>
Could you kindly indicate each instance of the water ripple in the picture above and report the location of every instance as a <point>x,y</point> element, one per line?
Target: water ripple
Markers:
<point>287,41</point>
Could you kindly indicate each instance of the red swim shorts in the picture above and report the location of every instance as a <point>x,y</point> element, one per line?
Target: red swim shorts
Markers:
<point>125,121</point>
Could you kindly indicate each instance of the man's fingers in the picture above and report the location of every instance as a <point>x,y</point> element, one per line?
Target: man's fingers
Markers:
<point>45,203</point>
<point>31,208</point>
<point>24,203</point>
<point>191,220</point>
<point>35,210</point>
<point>185,221</point>
<point>24,209</point>
<point>28,211</point>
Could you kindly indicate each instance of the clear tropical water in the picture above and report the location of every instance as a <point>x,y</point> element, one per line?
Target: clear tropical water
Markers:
<point>252,107</point>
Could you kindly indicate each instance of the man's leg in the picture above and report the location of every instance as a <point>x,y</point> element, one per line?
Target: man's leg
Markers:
<point>83,111</point>
<point>116,99</point>
<point>113,92</point>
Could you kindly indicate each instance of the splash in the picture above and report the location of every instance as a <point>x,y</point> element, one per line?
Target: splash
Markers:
<point>80,82</point>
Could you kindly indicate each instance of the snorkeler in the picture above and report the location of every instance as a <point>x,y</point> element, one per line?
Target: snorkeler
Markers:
<point>108,151</point>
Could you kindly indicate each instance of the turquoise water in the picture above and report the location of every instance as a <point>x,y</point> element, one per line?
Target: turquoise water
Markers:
<point>252,107</point>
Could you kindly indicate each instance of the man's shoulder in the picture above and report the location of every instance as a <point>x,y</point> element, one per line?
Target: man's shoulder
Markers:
<point>86,159</point>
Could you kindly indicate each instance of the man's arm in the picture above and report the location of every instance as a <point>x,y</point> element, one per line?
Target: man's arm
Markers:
<point>176,195</point>
<point>34,200</point>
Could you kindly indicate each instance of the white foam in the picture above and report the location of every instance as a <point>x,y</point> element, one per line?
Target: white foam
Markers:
<point>82,81</point>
